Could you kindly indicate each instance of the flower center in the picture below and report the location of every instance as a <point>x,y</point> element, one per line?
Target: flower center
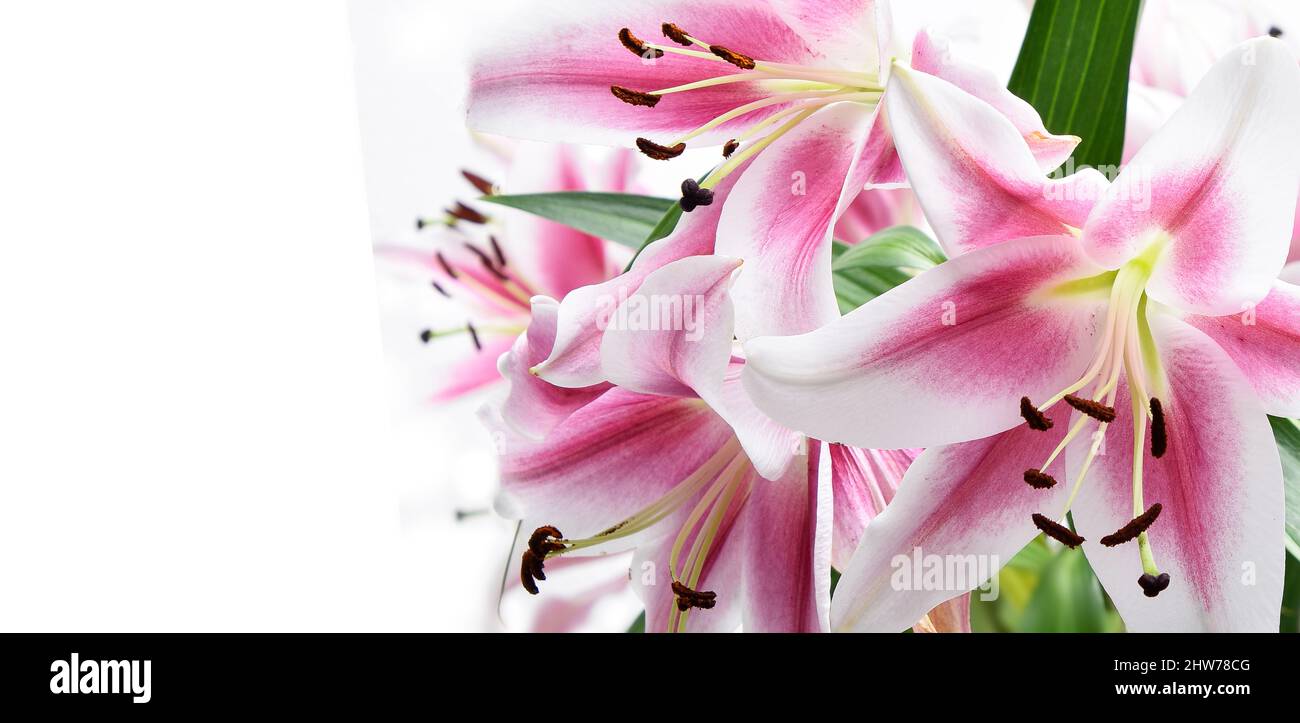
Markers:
<point>799,90</point>
<point>1126,347</point>
<point>719,488</point>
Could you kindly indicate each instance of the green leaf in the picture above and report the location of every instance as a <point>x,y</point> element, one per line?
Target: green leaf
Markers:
<point>620,217</point>
<point>1287,433</point>
<point>1068,598</point>
<point>638,625</point>
<point>661,230</point>
<point>888,258</point>
<point>1073,68</point>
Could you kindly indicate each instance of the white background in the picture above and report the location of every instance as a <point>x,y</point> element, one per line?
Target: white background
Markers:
<point>198,429</point>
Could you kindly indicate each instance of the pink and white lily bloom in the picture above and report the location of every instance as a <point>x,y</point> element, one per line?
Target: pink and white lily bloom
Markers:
<point>791,90</point>
<point>729,513</point>
<point>1149,311</point>
<point>488,262</point>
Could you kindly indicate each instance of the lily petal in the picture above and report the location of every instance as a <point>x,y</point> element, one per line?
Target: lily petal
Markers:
<point>864,481</point>
<point>780,217</point>
<point>1264,341</point>
<point>607,461</point>
<point>552,82</point>
<point>939,359</point>
<point>976,178</point>
<point>960,506</point>
<point>533,407</point>
<point>933,54</point>
<point>852,34</point>
<point>1219,179</point>
<point>1219,534</point>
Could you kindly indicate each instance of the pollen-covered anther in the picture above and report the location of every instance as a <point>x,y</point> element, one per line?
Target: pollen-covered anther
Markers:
<point>688,598</point>
<point>531,569</point>
<point>740,60</point>
<point>1057,531</point>
<point>1034,418</point>
<point>1096,410</point>
<point>1039,480</point>
<point>676,34</point>
<point>1159,437</point>
<point>426,336</point>
<point>658,152</point>
<point>473,336</point>
<point>545,540</point>
<point>465,213</point>
<point>1135,527</point>
<point>484,186</point>
<point>1152,585</point>
<point>487,262</point>
<point>693,196</point>
<point>636,46</point>
<point>730,147</point>
<point>634,97</point>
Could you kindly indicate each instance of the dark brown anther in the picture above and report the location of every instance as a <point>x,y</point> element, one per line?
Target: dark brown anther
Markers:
<point>497,252</point>
<point>677,35</point>
<point>531,569</point>
<point>545,540</point>
<point>473,336</point>
<point>636,46</point>
<point>688,598</point>
<point>438,287</point>
<point>483,185</point>
<point>730,148</point>
<point>1135,527</point>
<point>1159,437</point>
<point>658,152</point>
<point>487,262</point>
<point>446,267</point>
<point>420,224</point>
<point>1096,410</point>
<point>1275,32</point>
<point>1034,418</point>
<point>744,62</point>
<point>634,97</point>
<point>693,196</point>
<point>426,336</point>
<point>1152,585</point>
<point>1057,531</point>
<point>1039,480</point>
<point>465,213</point>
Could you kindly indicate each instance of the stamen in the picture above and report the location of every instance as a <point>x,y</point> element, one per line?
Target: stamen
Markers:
<point>1034,418</point>
<point>426,336</point>
<point>1159,440</point>
<point>486,187</point>
<point>545,540</point>
<point>473,336</point>
<point>636,46</point>
<point>1152,585</point>
<point>446,267</point>
<point>465,213</point>
<point>1275,32</point>
<point>634,97</point>
<point>531,569</point>
<point>730,148</point>
<point>1096,410</point>
<point>440,290</point>
<point>1135,527</point>
<point>1039,480</point>
<point>694,196</point>
<point>688,598</point>
<point>740,60</point>
<point>1057,531</point>
<point>658,152</point>
<point>487,262</point>
<point>497,252</point>
<point>677,35</point>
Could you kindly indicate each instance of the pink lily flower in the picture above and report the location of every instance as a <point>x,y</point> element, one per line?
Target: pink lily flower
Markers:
<point>729,514</point>
<point>487,263</point>
<point>1158,310</point>
<point>790,89</point>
